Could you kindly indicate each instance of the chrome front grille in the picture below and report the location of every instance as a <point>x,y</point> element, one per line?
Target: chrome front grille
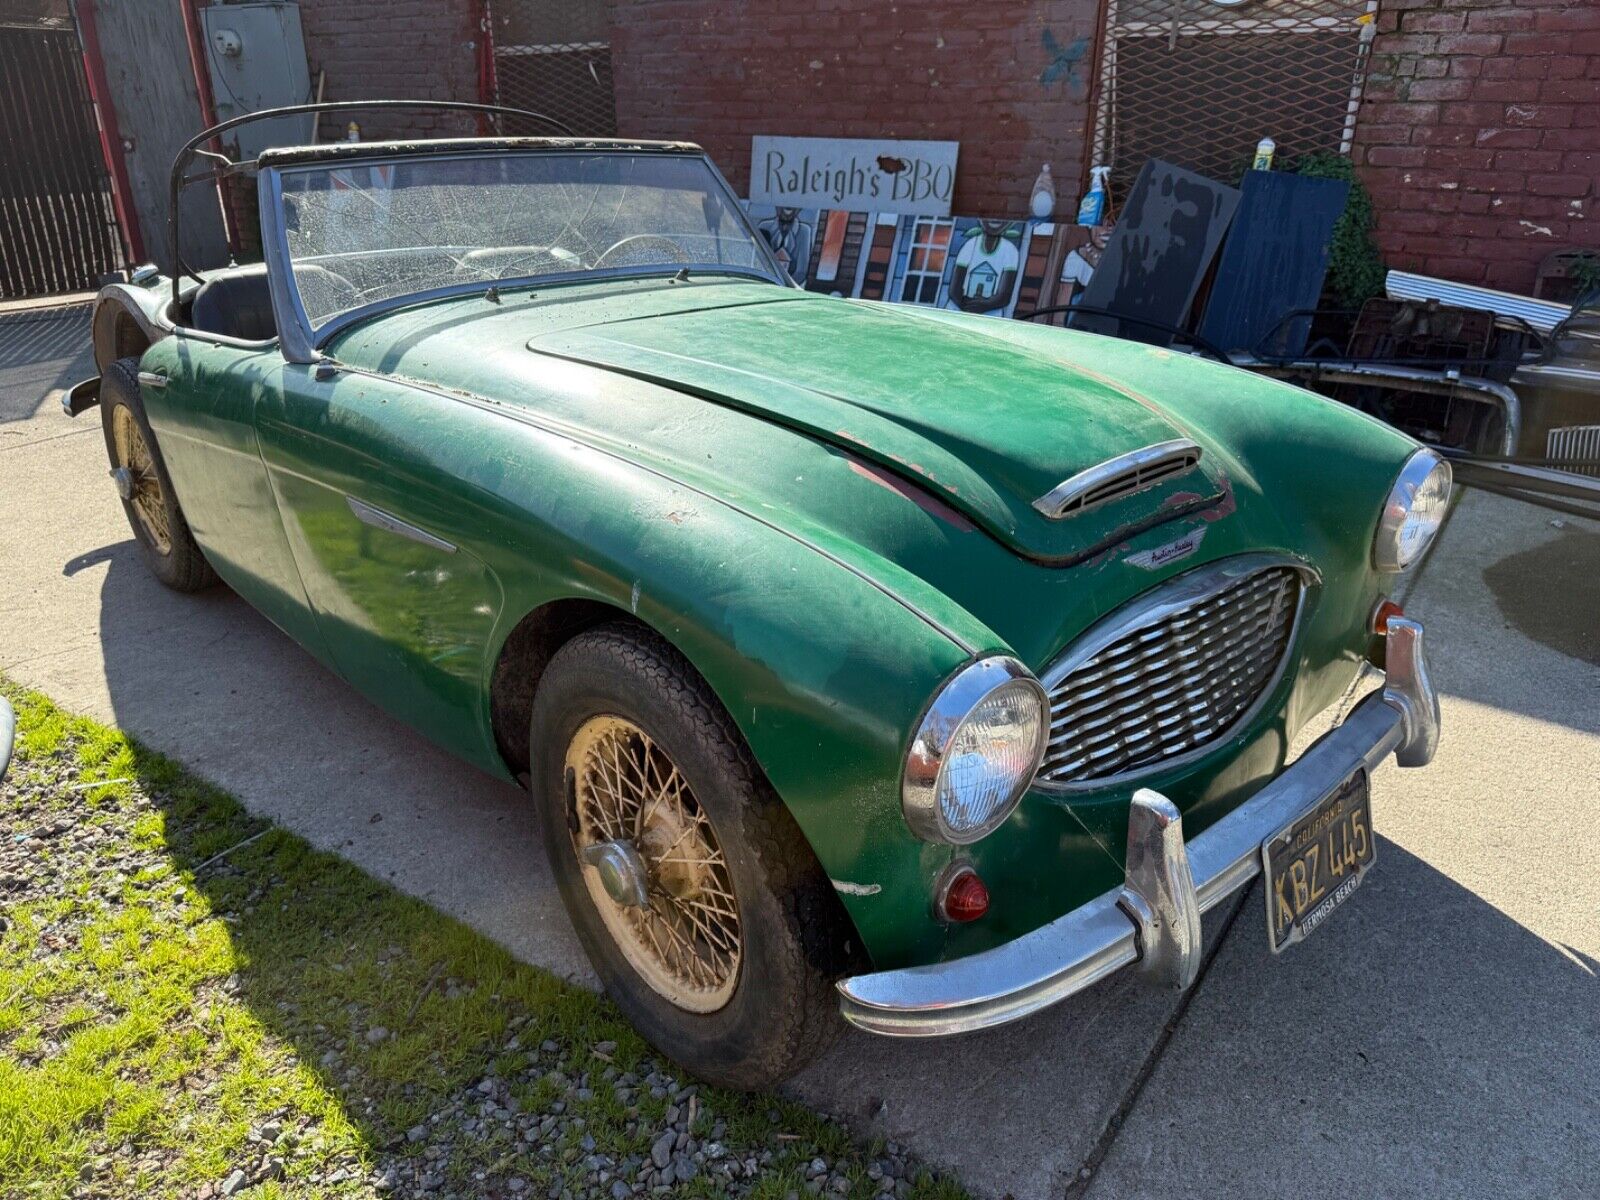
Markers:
<point>1575,444</point>
<point>1171,673</point>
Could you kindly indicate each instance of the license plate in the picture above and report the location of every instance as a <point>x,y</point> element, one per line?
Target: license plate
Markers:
<point>1312,866</point>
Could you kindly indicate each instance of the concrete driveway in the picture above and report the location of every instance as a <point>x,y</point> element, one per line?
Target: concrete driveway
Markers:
<point>1441,1037</point>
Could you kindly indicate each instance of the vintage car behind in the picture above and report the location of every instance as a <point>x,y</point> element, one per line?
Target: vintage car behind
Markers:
<point>855,656</point>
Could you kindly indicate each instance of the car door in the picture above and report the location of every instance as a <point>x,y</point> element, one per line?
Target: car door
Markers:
<point>200,393</point>
<point>375,521</point>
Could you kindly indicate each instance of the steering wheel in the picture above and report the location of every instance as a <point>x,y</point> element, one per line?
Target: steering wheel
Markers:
<point>648,246</point>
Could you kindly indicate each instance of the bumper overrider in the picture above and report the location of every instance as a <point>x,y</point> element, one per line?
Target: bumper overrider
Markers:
<point>1153,920</point>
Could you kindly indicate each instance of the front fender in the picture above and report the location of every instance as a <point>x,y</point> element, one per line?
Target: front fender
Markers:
<point>823,653</point>
<point>823,670</point>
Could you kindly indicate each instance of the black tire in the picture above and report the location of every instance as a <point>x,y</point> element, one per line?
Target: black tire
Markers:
<point>179,564</point>
<point>783,1010</point>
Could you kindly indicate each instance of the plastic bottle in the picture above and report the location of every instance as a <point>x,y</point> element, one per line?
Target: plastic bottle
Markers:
<point>352,133</point>
<point>1265,149</point>
<point>1092,209</point>
<point>1044,195</point>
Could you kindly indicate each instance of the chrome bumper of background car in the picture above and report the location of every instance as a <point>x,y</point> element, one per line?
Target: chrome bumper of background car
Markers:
<point>1154,918</point>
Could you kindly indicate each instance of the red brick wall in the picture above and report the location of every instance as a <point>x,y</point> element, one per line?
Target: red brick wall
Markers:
<point>718,72</point>
<point>394,50</point>
<point>1480,135</point>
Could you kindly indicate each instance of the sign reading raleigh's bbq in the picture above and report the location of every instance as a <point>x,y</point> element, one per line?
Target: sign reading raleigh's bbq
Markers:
<point>858,174</point>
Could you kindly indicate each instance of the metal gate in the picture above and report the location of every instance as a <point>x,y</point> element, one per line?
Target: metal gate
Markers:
<point>554,58</point>
<point>1200,82</point>
<point>58,230</point>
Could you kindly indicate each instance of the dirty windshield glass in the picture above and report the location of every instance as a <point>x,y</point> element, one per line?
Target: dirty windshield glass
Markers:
<point>366,233</point>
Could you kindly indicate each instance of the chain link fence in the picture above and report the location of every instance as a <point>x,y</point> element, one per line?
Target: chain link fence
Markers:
<point>1200,82</point>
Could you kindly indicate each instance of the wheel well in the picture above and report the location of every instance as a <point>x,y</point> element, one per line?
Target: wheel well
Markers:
<point>521,665</point>
<point>517,672</point>
<point>117,334</point>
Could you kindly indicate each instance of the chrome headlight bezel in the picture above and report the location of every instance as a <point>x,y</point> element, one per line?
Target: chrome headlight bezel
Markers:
<point>1424,473</point>
<point>928,753</point>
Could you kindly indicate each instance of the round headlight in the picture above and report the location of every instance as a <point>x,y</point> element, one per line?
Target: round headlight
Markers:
<point>975,751</point>
<point>1413,513</point>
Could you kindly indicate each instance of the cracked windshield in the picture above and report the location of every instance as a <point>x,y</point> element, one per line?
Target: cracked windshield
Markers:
<point>362,234</point>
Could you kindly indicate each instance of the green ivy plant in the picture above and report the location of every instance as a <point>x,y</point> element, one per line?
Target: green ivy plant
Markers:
<point>1585,270</point>
<point>1355,268</point>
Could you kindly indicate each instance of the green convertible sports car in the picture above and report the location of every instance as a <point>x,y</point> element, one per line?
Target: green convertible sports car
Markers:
<point>858,658</point>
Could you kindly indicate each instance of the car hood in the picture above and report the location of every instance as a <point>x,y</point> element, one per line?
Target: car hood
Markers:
<point>984,422</point>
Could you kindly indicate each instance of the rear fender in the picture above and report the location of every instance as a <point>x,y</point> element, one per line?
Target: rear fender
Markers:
<point>128,320</point>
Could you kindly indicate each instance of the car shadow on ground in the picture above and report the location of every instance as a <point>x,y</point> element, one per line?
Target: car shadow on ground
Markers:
<point>1423,1043</point>
<point>1416,977</point>
<point>1282,1065</point>
<point>207,679</point>
<point>48,347</point>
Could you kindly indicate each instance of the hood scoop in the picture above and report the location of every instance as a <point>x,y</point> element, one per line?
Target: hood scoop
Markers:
<point>1119,477</point>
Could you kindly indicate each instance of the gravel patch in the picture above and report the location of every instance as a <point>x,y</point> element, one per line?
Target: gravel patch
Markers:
<point>214,1009</point>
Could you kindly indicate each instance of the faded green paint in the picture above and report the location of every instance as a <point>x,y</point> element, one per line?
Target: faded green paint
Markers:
<point>826,504</point>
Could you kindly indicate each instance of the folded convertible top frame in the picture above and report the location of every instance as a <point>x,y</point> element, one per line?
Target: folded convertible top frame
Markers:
<point>226,166</point>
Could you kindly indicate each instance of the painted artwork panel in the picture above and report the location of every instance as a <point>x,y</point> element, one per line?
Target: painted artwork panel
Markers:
<point>790,232</point>
<point>878,261</point>
<point>991,266</point>
<point>985,266</point>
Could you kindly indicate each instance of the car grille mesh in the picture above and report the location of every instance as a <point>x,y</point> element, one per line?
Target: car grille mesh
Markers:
<point>1174,685</point>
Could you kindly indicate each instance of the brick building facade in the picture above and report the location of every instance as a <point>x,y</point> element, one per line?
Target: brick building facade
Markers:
<point>719,73</point>
<point>1478,130</point>
<point>1479,136</point>
<point>402,49</point>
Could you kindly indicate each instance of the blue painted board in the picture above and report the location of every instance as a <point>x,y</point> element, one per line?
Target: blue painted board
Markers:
<point>1274,261</point>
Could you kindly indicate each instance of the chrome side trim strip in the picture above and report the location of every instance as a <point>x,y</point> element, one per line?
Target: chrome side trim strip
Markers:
<point>152,379</point>
<point>1066,499</point>
<point>1175,882</point>
<point>379,519</point>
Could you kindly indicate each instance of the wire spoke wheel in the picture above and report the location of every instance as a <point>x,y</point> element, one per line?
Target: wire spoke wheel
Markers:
<point>653,865</point>
<point>141,485</point>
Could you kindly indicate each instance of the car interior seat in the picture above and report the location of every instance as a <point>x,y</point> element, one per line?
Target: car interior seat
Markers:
<point>238,302</point>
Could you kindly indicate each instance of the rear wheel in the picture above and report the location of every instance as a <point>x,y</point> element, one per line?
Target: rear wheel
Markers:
<point>165,543</point>
<point>694,893</point>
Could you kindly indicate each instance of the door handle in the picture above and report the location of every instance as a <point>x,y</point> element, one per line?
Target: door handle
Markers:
<point>152,379</point>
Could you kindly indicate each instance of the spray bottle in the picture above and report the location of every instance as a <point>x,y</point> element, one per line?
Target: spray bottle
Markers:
<point>1092,208</point>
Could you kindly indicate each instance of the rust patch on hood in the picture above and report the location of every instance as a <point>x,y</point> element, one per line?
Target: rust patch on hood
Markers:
<point>928,504</point>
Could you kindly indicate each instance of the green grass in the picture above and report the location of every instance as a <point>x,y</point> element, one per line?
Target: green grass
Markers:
<point>158,1005</point>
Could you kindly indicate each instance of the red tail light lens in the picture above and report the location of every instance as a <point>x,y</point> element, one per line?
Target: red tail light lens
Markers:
<point>1380,616</point>
<point>965,899</point>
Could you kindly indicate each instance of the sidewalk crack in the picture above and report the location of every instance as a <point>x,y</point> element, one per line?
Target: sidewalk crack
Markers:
<point>1087,1171</point>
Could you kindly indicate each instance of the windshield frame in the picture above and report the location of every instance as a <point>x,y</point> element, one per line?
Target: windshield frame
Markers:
<point>302,340</point>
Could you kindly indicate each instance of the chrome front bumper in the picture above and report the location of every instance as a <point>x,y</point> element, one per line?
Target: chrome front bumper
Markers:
<point>1153,920</point>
